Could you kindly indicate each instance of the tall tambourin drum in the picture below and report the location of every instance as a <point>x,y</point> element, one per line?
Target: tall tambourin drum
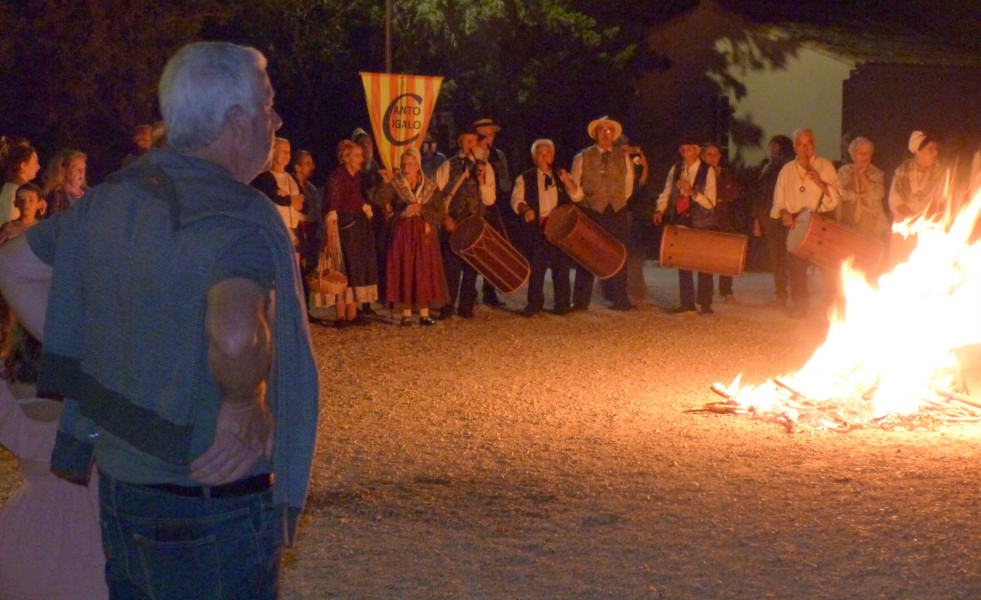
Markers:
<point>486,250</point>
<point>585,241</point>
<point>704,250</point>
<point>827,243</point>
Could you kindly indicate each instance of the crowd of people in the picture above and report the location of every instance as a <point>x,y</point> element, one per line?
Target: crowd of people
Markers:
<point>386,232</point>
<point>162,339</point>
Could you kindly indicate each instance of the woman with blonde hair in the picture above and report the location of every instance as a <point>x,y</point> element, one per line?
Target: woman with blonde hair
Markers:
<point>414,278</point>
<point>63,182</point>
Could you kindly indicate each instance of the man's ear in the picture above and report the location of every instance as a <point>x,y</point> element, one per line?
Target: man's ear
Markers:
<point>237,121</point>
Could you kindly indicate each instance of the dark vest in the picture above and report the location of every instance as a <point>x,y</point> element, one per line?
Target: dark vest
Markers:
<point>697,216</point>
<point>604,185</point>
<point>530,179</point>
<point>467,201</point>
<point>501,176</point>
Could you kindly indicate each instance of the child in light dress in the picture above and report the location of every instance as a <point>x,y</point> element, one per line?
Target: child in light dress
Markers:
<point>50,542</point>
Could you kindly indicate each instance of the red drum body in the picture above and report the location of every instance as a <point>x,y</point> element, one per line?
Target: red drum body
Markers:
<point>585,241</point>
<point>484,249</point>
<point>827,243</point>
<point>703,250</point>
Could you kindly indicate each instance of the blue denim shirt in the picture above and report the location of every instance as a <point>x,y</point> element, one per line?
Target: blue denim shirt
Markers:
<point>124,332</point>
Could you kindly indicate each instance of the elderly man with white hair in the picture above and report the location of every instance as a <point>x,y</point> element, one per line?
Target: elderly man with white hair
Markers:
<point>809,182</point>
<point>188,385</point>
<point>537,192</point>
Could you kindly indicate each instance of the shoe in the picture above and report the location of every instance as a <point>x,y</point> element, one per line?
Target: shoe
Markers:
<point>366,309</point>
<point>341,324</point>
<point>465,314</point>
<point>561,311</point>
<point>446,312</point>
<point>706,309</point>
<point>493,302</point>
<point>360,320</point>
<point>426,322</point>
<point>530,311</point>
<point>405,322</point>
<point>684,310</point>
<point>579,308</point>
<point>729,299</point>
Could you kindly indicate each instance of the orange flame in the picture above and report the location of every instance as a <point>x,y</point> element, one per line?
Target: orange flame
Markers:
<point>895,344</point>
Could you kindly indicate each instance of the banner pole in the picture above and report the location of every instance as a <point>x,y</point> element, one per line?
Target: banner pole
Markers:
<point>388,36</point>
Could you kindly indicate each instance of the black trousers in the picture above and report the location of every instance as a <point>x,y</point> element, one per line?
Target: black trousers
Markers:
<point>461,278</point>
<point>686,286</point>
<point>618,224</point>
<point>543,256</point>
<point>775,235</point>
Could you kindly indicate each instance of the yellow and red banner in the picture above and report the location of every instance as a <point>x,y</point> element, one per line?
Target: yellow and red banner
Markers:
<point>400,107</point>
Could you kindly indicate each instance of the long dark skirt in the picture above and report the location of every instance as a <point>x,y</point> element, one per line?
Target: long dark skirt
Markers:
<point>415,267</point>
<point>360,259</point>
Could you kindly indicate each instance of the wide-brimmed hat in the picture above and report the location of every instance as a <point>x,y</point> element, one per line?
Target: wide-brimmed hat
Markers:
<point>486,123</point>
<point>604,120</point>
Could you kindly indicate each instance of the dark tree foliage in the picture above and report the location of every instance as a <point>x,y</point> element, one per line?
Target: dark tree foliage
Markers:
<point>83,74</point>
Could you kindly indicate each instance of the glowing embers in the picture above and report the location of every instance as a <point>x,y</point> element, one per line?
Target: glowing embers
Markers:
<point>890,358</point>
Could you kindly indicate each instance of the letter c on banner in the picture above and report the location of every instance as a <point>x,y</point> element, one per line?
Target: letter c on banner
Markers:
<point>387,121</point>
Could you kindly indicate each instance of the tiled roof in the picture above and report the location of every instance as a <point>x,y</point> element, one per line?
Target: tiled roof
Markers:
<point>862,41</point>
<point>877,47</point>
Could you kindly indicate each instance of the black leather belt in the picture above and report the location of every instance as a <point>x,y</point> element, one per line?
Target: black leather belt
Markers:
<point>235,489</point>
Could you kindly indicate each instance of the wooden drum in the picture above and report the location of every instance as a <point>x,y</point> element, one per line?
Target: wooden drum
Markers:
<point>585,241</point>
<point>827,243</point>
<point>484,249</point>
<point>703,250</point>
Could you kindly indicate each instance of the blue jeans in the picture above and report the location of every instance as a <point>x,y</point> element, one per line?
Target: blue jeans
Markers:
<point>160,545</point>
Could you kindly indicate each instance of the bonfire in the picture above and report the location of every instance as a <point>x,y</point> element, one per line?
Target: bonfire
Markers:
<point>890,356</point>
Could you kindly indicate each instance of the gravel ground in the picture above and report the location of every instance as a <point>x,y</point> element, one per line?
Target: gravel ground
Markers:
<point>551,458</point>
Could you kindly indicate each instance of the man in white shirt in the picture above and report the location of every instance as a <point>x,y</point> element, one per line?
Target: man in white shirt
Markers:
<point>604,174</point>
<point>537,192</point>
<point>689,200</point>
<point>808,182</point>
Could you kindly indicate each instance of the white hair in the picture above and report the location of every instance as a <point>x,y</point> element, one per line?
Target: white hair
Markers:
<point>540,142</point>
<point>860,141</point>
<point>803,131</point>
<point>201,83</point>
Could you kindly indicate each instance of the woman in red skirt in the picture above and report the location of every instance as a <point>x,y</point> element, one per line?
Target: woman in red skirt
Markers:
<point>415,278</point>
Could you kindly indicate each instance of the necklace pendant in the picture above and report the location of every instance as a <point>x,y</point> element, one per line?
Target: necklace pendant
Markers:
<point>801,188</point>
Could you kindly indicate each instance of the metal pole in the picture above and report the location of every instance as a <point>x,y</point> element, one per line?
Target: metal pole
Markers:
<point>388,36</point>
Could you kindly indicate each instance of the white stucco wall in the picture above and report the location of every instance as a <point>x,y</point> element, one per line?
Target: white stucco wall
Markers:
<point>806,92</point>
